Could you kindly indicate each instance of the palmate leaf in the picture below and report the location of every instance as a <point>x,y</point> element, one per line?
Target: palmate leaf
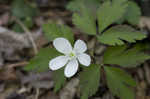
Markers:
<point>110,12</point>
<point>116,35</point>
<point>59,79</point>
<point>119,83</point>
<point>52,31</point>
<point>40,62</point>
<point>124,57</point>
<point>85,21</point>
<point>89,81</point>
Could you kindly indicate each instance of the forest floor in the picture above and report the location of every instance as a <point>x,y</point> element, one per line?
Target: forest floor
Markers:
<point>15,83</point>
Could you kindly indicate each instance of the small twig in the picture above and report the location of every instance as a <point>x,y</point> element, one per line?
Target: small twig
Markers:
<point>37,93</point>
<point>26,30</point>
<point>24,90</point>
<point>18,64</point>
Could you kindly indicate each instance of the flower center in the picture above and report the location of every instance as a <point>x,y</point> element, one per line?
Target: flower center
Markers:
<point>72,55</point>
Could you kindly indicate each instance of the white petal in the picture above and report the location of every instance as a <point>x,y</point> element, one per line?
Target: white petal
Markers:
<point>71,68</point>
<point>58,62</point>
<point>84,59</point>
<point>62,45</point>
<point>80,46</point>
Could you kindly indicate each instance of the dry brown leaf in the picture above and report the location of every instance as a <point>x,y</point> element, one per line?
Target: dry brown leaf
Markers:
<point>69,91</point>
<point>144,22</point>
<point>10,42</point>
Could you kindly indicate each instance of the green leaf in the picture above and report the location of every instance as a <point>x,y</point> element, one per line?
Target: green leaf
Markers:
<point>59,79</point>
<point>40,62</point>
<point>120,83</point>
<point>27,22</point>
<point>53,31</point>
<point>125,57</point>
<point>143,46</point>
<point>132,14</point>
<point>22,9</point>
<point>17,28</point>
<point>89,81</point>
<point>85,21</point>
<point>75,5</point>
<point>116,35</point>
<point>110,12</point>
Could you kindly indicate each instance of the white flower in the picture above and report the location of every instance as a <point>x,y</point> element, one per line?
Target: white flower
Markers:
<point>71,56</point>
